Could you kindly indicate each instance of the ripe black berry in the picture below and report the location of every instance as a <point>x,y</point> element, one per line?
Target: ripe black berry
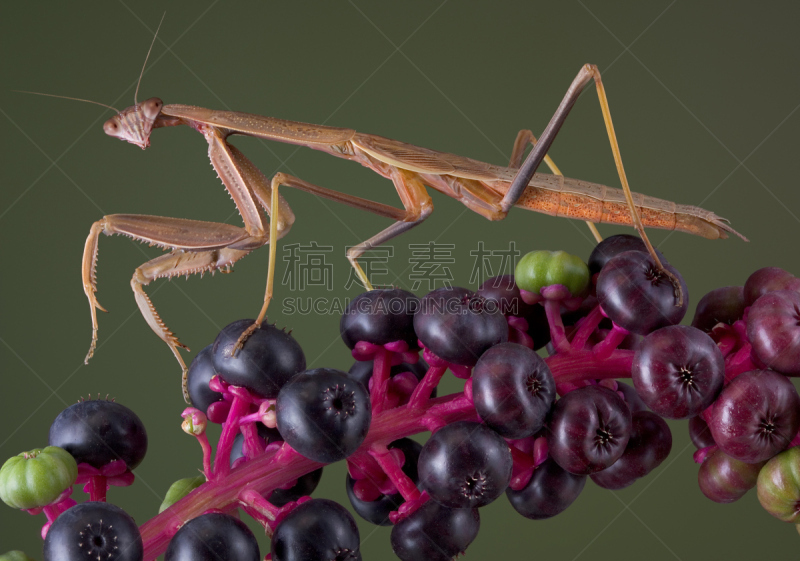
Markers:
<point>98,432</point>
<point>213,537</point>
<point>323,414</point>
<point>319,529</point>
<point>92,531</point>
<point>268,359</point>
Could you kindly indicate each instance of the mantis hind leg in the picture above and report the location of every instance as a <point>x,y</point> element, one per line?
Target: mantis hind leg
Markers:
<point>525,137</point>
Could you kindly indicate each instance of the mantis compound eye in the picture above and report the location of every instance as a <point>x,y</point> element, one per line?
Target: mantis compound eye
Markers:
<point>152,107</point>
<point>111,127</point>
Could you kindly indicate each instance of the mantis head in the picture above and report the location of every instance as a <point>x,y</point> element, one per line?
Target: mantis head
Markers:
<point>134,124</point>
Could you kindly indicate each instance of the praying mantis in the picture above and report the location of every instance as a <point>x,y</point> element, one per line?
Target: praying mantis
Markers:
<point>487,189</point>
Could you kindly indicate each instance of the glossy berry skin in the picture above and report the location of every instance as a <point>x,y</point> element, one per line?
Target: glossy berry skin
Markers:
<point>379,317</point>
<point>435,533</point>
<point>200,373</point>
<point>773,328</point>
<point>613,246</point>
<point>98,432</point>
<point>91,530</point>
<point>269,358</point>
<point>319,529</point>
<point>649,445</point>
<point>465,465</point>
<point>213,537</point>
<point>458,325</point>
<point>756,416</point>
<point>542,268</point>
<point>377,511</point>
<point>721,305</point>
<point>513,390</point>
<point>779,485</point>
<point>637,296</point>
<point>323,414</point>
<point>700,433</point>
<point>589,430</point>
<point>724,479</point>
<point>678,371</point>
<point>549,492</point>
<point>631,397</point>
<point>306,484</point>
<point>768,279</point>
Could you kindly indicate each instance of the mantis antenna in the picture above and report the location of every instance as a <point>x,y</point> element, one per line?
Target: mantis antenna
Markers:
<point>136,93</point>
<point>72,98</point>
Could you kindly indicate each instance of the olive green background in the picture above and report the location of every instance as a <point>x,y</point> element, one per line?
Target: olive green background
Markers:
<point>703,97</point>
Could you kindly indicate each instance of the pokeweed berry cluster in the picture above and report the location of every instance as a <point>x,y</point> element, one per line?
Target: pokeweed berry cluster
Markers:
<point>529,427</point>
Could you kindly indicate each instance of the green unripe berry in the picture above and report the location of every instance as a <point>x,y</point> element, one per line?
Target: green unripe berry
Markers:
<point>15,555</point>
<point>779,485</point>
<point>180,489</point>
<point>538,269</point>
<point>36,478</point>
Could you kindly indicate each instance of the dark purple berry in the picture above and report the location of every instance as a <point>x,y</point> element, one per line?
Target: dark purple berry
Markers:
<point>637,296</point>
<point>91,531</point>
<point>200,373</point>
<point>613,246</point>
<point>700,433</point>
<point>678,371</point>
<point>323,414</point>
<point>513,390</point>
<point>632,399</point>
<point>306,484</point>
<point>379,317</point>
<point>465,465</point>
<point>721,305</point>
<point>589,430</point>
<point>377,511</point>
<point>549,492</point>
<point>213,537</point>
<point>435,533</point>
<point>97,432</point>
<point>756,416</point>
<point>649,445</point>
<point>269,358</point>
<point>319,529</point>
<point>724,479</point>
<point>773,328</point>
<point>459,325</point>
<point>768,279</point>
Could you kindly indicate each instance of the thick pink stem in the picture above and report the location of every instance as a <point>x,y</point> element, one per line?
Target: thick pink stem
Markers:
<point>558,334</point>
<point>381,368</point>
<point>222,463</point>
<point>586,327</point>
<point>604,348</point>
<point>266,473</point>
<point>96,487</point>
<point>582,365</point>
<point>388,463</point>
<point>423,390</point>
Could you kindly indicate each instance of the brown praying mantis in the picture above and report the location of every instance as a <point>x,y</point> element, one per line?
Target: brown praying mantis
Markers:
<point>490,190</point>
